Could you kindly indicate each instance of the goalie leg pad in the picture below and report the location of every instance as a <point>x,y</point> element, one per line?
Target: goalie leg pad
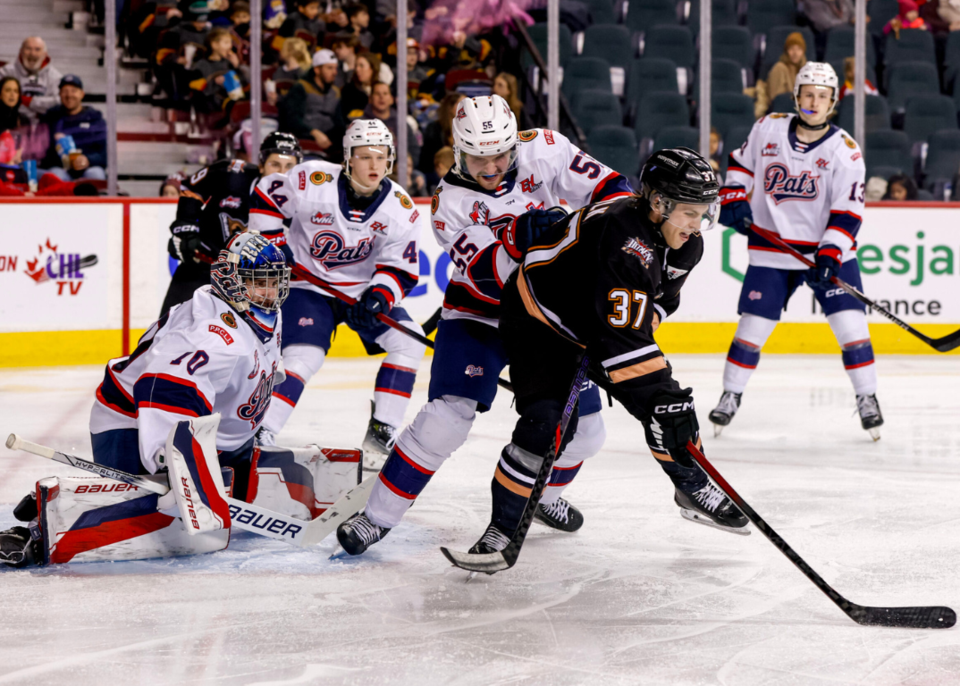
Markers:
<point>195,480</point>
<point>86,519</point>
<point>302,482</point>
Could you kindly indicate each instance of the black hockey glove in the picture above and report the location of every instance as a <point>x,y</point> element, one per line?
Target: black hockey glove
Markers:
<point>673,422</point>
<point>828,266</point>
<point>17,547</point>
<point>185,242</point>
<point>524,231</point>
<point>735,209</point>
<point>363,313</point>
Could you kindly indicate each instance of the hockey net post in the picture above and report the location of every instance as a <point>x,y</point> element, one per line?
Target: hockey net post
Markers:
<point>928,617</point>
<point>506,558</point>
<point>943,344</point>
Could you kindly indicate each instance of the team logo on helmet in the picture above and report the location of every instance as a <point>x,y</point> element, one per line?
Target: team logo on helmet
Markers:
<point>229,320</point>
<point>328,249</point>
<point>461,112</point>
<point>527,136</point>
<point>405,202</point>
<point>782,186</point>
<point>319,178</point>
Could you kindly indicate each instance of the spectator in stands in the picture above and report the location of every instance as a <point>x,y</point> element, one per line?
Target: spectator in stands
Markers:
<point>359,17</point>
<point>210,83</point>
<point>901,188</point>
<point>715,152</point>
<point>381,107</point>
<point>356,94</point>
<point>949,12</point>
<point>344,46</point>
<point>505,85</point>
<point>170,188</point>
<point>442,163</point>
<point>295,63</point>
<point>192,32</point>
<point>827,14</point>
<point>240,13</point>
<point>849,67</point>
<point>304,23</point>
<point>438,134</point>
<point>416,183</point>
<point>38,78</point>
<point>10,116</point>
<point>81,134</point>
<point>908,18</point>
<point>782,75</point>
<point>311,110</point>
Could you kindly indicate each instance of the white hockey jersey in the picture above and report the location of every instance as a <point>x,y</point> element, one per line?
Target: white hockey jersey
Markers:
<point>811,194</point>
<point>467,220</point>
<point>349,249</point>
<point>199,358</point>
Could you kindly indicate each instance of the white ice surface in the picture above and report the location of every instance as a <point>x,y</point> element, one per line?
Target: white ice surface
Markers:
<point>637,596</point>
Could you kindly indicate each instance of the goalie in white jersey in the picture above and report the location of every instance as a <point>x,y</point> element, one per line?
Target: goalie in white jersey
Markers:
<point>356,230</point>
<point>486,212</point>
<point>807,182</point>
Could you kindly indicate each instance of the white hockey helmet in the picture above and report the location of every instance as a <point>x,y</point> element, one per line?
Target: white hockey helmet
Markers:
<point>484,127</point>
<point>362,132</point>
<point>816,74</point>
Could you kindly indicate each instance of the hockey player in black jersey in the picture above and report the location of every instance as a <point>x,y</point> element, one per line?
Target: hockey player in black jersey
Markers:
<point>214,204</point>
<point>598,283</point>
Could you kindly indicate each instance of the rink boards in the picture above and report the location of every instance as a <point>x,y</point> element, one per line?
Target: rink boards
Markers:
<point>62,306</point>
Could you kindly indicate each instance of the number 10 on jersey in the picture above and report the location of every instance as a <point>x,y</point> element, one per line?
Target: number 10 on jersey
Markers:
<point>622,299</point>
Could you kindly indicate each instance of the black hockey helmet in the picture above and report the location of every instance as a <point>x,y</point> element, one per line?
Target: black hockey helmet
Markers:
<point>280,143</point>
<point>681,175</point>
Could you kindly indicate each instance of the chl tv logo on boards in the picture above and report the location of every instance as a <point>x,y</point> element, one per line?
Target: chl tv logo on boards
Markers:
<point>62,268</point>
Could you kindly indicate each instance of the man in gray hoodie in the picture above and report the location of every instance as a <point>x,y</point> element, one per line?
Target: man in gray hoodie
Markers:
<point>39,80</point>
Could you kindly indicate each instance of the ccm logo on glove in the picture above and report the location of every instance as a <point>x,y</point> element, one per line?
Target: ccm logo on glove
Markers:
<point>675,407</point>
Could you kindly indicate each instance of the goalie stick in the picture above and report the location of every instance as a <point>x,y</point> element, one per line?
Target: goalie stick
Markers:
<point>389,321</point>
<point>253,518</point>
<point>929,617</point>
<point>506,558</point>
<point>943,344</point>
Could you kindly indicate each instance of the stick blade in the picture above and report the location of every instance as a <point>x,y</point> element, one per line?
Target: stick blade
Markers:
<point>346,506</point>
<point>13,442</point>
<point>929,617</point>
<point>948,343</point>
<point>488,563</point>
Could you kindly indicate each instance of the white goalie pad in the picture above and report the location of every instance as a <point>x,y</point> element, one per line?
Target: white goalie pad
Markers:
<point>194,472</point>
<point>302,482</point>
<point>84,519</point>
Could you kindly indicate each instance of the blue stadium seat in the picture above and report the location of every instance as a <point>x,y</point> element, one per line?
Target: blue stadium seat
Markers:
<point>586,73</point>
<point>881,12</point>
<point>734,43</point>
<point>677,137</point>
<point>608,42</point>
<point>616,147</point>
<point>725,77</point>
<point>914,45</point>
<point>943,160</point>
<point>783,103</point>
<point>593,108</point>
<point>907,79</point>
<point>659,110</point>
<point>876,116</point>
<point>951,60</point>
<point>538,34</point>
<point>763,15</point>
<point>724,14</point>
<point>776,37</point>
<point>601,11</point>
<point>671,42</point>
<point>840,44</point>
<point>887,153</point>
<point>731,110</point>
<point>650,74</point>
<point>927,114</point>
<point>644,15</point>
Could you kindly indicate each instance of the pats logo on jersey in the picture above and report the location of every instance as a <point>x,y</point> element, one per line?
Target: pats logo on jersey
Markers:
<point>328,249</point>
<point>405,202</point>
<point>779,184</point>
<point>473,371</point>
<point>322,219</point>
<point>639,249</point>
<point>256,406</point>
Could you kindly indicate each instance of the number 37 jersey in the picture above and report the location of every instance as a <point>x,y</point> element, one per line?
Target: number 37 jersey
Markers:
<point>467,220</point>
<point>810,193</point>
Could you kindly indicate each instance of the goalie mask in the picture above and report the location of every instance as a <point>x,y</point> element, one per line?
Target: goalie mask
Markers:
<point>681,176</point>
<point>252,276</point>
<point>484,127</point>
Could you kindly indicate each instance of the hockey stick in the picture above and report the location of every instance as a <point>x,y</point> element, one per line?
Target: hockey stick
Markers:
<point>430,325</point>
<point>944,344</point>
<point>506,558</point>
<point>389,321</point>
<point>930,617</point>
<point>243,515</point>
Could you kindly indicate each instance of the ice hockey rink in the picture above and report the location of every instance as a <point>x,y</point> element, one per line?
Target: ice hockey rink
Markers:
<point>637,596</point>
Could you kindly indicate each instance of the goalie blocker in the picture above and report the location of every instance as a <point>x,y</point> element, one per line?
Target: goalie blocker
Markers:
<point>82,519</point>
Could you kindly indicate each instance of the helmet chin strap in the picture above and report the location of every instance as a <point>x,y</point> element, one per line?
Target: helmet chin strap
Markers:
<point>811,127</point>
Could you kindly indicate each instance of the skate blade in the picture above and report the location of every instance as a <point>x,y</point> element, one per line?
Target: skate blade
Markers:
<point>697,518</point>
<point>717,430</point>
<point>874,433</point>
<point>338,554</point>
<point>470,577</point>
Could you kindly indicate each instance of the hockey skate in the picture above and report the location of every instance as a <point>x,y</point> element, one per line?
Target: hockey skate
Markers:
<point>378,442</point>
<point>492,541</point>
<point>710,507</point>
<point>723,413</point>
<point>870,418</point>
<point>17,547</point>
<point>358,533</point>
<point>560,515</point>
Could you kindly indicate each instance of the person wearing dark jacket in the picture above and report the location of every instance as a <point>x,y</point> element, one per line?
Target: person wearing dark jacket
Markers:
<point>311,110</point>
<point>81,134</point>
